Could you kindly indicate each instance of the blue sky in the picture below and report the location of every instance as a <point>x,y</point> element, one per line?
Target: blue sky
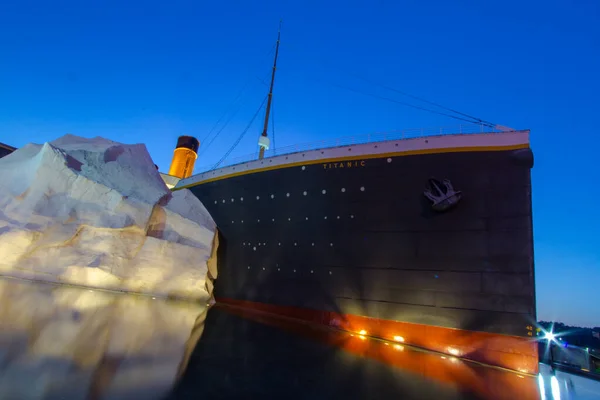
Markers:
<point>150,71</point>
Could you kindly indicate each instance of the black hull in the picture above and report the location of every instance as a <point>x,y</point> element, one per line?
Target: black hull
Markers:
<point>383,252</point>
<point>5,150</point>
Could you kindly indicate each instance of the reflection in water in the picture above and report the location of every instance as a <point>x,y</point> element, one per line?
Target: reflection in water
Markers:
<point>560,385</point>
<point>250,355</point>
<point>59,342</point>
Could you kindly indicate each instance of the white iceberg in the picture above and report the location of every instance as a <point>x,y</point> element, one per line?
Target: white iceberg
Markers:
<point>96,213</point>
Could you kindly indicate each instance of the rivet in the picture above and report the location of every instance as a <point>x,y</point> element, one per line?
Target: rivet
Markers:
<point>294,270</point>
<point>287,195</point>
<point>295,244</point>
<point>263,268</point>
<point>389,160</point>
<point>303,168</point>
<point>289,219</point>
<point>273,219</point>
<point>272,196</point>
<point>215,202</point>
<point>304,193</point>
<point>232,200</point>
<point>331,244</point>
<point>352,216</point>
<point>343,190</point>
<point>312,244</point>
<point>311,271</point>
<point>241,199</point>
<point>338,217</point>
<point>258,220</point>
<point>279,244</point>
<point>362,188</point>
<point>278,269</point>
<point>223,200</point>
<point>257,197</point>
<point>329,272</point>
<point>254,248</point>
<point>307,218</point>
<point>324,191</point>
<point>325,217</point>
<point>248,267</point>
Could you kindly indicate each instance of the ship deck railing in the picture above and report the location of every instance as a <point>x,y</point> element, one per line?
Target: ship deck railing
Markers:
<point>359,139</point>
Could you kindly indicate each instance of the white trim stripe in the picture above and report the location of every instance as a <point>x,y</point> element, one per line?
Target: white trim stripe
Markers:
<point>368,150</point>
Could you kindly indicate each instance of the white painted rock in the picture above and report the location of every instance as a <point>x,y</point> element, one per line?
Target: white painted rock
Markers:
<point>96,213</point>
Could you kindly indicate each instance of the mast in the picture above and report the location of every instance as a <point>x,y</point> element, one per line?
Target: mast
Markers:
<point>263,140</point>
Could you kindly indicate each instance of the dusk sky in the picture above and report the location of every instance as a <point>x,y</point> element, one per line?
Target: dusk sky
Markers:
<point>149,71</point>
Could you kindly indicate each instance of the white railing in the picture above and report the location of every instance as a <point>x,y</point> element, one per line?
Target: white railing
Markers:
<point>357,139</point>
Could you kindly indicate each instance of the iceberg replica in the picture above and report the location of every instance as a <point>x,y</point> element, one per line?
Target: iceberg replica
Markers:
<point>96,213</point>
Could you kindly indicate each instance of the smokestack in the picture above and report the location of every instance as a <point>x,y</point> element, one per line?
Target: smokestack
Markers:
<point>184,157</point>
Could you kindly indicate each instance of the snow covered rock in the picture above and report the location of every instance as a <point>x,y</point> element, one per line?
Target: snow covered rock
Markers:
<point>96,213</point>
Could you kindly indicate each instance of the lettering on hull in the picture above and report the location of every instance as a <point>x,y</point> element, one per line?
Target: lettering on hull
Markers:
<point>345,164</point>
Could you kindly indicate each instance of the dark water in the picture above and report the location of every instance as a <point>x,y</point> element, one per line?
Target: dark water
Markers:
<point>70,343</point>
<point>251,356</point>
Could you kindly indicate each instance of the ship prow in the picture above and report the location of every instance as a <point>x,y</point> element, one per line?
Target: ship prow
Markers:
<point>422,236</point>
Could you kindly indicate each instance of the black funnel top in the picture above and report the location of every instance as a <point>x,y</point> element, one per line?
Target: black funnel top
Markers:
<point>189,142</point>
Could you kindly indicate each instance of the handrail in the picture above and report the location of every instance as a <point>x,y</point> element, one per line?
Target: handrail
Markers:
<point>359,139</point>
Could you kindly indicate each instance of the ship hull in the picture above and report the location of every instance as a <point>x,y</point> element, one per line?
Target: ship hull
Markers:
<point>353,242</point>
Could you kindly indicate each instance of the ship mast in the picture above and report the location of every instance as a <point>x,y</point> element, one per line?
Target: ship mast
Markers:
<point>263,140</point>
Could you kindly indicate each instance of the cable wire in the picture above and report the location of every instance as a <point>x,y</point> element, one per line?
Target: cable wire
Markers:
<point>482,121</point>
<point>273,124</point>
<point>406,104</point>
<point>239,139</point>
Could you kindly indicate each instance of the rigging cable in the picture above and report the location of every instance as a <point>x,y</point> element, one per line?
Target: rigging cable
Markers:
<point>228,109</point>
<point>467,117</point>
<point>239,139</point>
<point>226,122</point>
<point>273,124</point>
<point>409,105</point>
<point>482,121</point>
